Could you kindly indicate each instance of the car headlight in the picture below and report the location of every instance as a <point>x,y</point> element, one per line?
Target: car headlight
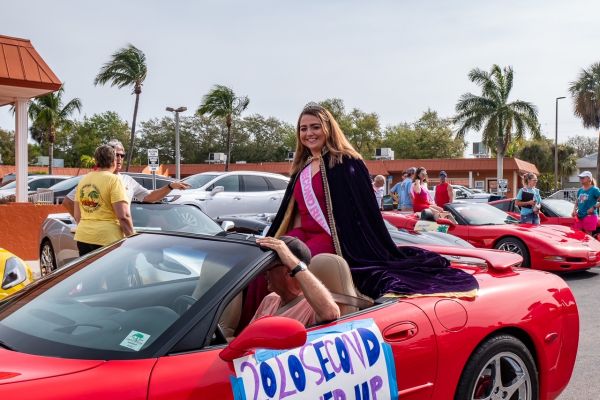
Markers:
<point>14,273</point>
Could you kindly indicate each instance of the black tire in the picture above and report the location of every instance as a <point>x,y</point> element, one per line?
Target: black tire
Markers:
<point>47,258</point>
<point>514,245</point>
<point>517,377</point>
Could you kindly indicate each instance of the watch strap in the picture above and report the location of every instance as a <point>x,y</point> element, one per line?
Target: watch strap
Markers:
<point>298,268</point>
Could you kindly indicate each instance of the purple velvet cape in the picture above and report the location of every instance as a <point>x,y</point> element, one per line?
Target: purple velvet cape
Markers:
<point>378,266</point>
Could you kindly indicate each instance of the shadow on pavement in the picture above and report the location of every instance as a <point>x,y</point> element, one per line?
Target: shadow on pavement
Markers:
<point>578,275</point>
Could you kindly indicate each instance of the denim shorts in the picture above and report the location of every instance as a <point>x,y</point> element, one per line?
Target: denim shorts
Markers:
<point>531,218</point>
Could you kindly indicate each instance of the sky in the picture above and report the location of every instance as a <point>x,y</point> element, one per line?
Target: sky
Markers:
<point>396,58</point>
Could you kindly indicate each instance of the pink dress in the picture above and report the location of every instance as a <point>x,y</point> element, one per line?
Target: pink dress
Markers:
<point>421,200</point>
<point>309,231</point>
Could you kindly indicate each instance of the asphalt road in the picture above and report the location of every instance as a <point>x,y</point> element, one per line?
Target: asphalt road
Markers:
<point>584,383</point>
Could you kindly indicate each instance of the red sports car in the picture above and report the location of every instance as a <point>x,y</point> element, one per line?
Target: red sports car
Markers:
<point>553,211</point>
<point>545,247</point>
<point>148,317</point>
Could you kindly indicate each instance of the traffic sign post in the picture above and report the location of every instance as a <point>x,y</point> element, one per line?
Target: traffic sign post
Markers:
<point>153,164</point>
<point>502,185</point>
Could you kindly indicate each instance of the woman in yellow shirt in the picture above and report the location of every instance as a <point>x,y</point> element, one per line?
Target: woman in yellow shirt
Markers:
<point>102,207</point>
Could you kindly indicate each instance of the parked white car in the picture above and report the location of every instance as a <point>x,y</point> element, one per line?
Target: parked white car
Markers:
<point>466,194</point>
<point>34,182</point>
<point>238,192</point>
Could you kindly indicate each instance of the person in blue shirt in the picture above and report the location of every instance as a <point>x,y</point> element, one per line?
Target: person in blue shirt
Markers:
<point>403,189</point>
<point>530,207</point>
<point>586,206</point>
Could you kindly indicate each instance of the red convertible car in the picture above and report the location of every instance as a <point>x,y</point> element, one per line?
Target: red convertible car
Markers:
<point>545,247</point>
<point>553,211</point>
<point>148,317</point>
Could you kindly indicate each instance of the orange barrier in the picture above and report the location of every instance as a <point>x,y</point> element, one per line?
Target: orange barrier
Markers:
<point>20,227</point>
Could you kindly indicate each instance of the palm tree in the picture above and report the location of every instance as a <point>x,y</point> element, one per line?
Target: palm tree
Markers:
<point>221,102</point>
<point>586,96</point>
<point>48,114</point>
<point>126,68</point>
<point>501,121</point>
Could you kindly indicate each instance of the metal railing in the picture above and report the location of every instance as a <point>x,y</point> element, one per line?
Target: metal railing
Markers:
<point>41,196</point>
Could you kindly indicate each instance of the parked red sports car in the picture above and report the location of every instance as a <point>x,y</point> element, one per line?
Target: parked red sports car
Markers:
<point>553,211</point>
<point>545,247</point>
<point>145,319</point>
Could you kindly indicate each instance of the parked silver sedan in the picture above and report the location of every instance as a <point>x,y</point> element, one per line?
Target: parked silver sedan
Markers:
<point>57,246</point>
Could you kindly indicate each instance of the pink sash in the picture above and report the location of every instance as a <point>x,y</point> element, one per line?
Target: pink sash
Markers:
<point>310,199</point>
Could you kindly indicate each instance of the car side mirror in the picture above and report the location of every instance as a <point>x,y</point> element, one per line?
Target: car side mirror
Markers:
<point>279,333</point>
<point>227,225</point>
<point>217,189</point>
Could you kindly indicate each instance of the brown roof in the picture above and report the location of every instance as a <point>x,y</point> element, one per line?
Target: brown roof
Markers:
<point>8,169</point>
<point>23,72</point>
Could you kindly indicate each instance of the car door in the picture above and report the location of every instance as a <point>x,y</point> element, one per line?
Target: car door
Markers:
<point>258,196</point>
<point>229,201</point>
<point>405,327</point>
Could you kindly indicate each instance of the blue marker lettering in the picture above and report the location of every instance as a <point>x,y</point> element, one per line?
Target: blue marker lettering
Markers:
<point>297,373</point>
<point>323,361</point>
<point>267,377</point>
<point>372,347</point>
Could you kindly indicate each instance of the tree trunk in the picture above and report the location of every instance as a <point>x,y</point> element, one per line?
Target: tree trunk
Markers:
<point>135,110</point>
<point>500,156</point>
<point>228,144</point>
<point>50,150</point>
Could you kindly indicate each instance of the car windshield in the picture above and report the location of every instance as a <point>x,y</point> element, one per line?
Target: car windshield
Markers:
<point>174,218</point>
<point>117,303</point>
<point>197,181</point>
<point>66,184</point>
<point>562,208</point>
<point>483,214</point>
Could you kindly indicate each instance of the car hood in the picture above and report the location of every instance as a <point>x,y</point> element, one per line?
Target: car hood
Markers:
<point>555,234</point>
<point>21,367</point>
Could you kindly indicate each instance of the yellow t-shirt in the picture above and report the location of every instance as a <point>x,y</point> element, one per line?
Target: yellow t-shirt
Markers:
<point>95,195</point>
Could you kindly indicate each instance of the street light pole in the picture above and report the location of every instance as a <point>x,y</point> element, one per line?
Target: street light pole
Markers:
<point>556,144</point>
<point>177,152</point>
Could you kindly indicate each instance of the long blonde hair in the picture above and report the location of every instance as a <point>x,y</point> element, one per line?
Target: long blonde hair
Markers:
<point>335,141</point>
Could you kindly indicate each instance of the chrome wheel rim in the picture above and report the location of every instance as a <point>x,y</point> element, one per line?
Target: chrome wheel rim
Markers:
<point>504,377</point>
<point>46,260</point>
<point>511,247</point>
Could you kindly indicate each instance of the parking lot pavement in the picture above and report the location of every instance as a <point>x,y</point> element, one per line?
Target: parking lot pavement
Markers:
<point>584,383</point>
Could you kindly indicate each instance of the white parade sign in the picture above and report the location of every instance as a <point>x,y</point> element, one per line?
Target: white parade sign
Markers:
<point>153,159</point>
<point>345,361</point>
<point>502,185</point>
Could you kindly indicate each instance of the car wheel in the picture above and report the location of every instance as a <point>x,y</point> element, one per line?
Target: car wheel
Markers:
<point>47,259</point>
<point>514,245</point>
<point>501,368</point>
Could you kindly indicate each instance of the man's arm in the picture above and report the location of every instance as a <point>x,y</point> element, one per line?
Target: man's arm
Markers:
<point>69,205</point>
<point>314,291</point>
<point>77,212</point>
<point>121,208</point>
<point>450,194</point>
<point>159,194</point>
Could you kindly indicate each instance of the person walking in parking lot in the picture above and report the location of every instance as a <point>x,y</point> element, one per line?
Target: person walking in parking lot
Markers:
<point>101,205</point>
<point>586,206</point>
<point>529,200</point>
<point>133,189</point>
<point>444,193</point>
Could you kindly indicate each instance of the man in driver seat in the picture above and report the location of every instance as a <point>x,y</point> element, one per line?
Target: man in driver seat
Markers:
<point>296,292</point>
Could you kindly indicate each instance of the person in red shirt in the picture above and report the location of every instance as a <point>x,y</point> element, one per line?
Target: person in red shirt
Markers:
<point>444,193</point>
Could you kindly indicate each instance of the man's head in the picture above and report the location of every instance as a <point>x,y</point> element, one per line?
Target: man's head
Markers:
<point>443,176</point>
<point>585,178</point>
<point>119,152</point>
<point>411,172</point>
<point>278,277</point>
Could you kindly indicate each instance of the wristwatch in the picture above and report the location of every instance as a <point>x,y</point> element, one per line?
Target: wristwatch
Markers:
<point>298,268</point>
